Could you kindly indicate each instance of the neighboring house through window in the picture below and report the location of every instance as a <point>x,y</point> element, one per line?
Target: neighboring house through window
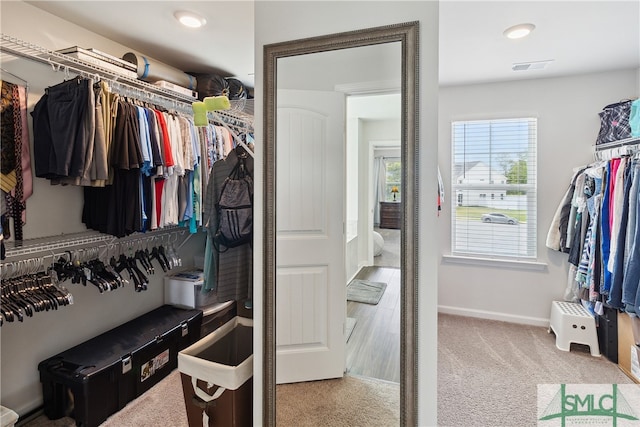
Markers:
<point>495,157</point>
<point>394,176</point>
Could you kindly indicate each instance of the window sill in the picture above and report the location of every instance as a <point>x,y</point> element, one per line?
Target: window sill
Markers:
<point>491,262</point>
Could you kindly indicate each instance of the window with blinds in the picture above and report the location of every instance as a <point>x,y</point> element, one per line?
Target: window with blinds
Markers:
<point>493,188</point>
<point>393,166</point>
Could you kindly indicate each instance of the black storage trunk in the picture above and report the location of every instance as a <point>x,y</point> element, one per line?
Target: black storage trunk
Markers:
<point>608,333</point>
<point>97,378</point>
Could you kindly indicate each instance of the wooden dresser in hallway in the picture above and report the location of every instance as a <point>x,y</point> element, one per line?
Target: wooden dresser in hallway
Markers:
<point>390,215</point>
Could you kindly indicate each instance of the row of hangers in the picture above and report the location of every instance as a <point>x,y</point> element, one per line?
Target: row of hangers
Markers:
<point>29,291</point>
<point>630,148</point>
<point>235,124</point>
<point>145,99</point>
<point>30,286</point>
<point>106,270</point>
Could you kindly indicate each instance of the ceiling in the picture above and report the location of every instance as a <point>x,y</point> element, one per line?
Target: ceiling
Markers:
<point>579,36</point>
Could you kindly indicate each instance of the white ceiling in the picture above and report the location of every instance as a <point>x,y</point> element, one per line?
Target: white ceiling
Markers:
<point>580,36</point>
<point>225,45</point>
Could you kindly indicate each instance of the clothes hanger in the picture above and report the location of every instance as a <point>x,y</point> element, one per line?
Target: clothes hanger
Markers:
<point>235,136</point>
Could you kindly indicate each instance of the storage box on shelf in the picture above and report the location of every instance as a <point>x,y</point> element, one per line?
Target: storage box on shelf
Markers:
<point>184,289</point>
<point>95,379</point>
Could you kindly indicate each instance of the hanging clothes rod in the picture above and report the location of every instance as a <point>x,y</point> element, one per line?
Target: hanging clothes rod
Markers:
<point>620,143</point>
<point>151,98</point>
<point>238,128</point>
<point>623,147</point>
<point>63,242</point>
<point>233,134</point>
<point>236,115</point>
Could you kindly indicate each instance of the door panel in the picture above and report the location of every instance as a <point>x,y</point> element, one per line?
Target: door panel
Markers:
<point>302,294</point>
<point>310,282</point>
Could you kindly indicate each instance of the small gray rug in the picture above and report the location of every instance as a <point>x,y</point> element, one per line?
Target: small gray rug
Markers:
<point>365,291</point>
<point>351,324</point>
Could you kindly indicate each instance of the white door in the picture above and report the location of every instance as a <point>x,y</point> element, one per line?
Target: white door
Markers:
<point>310,277</point>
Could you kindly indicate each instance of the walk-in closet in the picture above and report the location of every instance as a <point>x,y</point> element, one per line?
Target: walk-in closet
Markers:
<point>111,262</point>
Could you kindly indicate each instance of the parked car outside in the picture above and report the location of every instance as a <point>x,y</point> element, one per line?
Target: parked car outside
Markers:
<point>499,218</point>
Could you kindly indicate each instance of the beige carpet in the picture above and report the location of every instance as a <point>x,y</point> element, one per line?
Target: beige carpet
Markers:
<point>346,402</point>
<point>164,406</point>
<point>320,403</point>
<point>488,371</point>
<point>161,406</point>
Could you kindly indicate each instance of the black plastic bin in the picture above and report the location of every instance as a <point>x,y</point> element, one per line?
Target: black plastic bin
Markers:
<point>607,327</point>
<point>217,376</point>
<point>97,378</point>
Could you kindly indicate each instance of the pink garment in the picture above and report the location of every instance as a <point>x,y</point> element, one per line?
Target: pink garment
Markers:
<point>614,165</point>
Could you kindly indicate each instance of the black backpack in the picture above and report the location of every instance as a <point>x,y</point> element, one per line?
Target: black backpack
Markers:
<point>235,209</point>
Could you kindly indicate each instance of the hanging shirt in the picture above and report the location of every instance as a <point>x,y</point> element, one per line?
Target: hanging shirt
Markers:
<point>166,144</point>
<point>145,141</point>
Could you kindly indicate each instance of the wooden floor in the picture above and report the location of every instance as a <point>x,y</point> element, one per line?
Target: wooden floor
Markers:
<point>373,350</point>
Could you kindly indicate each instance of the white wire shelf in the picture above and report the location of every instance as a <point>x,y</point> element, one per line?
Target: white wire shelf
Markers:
<point>54,244</point>
<point>240,109</point>
<point>622,147</point>
<point>59,61</point>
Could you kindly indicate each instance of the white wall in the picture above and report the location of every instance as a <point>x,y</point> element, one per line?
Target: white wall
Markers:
<point>567,111</point>
<point>53,210</point>
<point>318,18</point>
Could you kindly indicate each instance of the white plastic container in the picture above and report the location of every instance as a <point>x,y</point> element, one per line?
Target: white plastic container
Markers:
<point>8,417</point>
<point>184,289</point>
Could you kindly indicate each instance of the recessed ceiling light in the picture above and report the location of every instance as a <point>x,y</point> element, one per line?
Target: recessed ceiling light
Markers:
<point>519,31</point>
<point>190,19</point>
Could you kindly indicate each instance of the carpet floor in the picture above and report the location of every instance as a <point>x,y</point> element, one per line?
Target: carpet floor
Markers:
<point>346,402</point>
<point>488,371</point>
<point>161,406</point>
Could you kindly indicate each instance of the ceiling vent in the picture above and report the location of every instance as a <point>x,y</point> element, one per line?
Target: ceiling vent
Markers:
<point>527,66</point>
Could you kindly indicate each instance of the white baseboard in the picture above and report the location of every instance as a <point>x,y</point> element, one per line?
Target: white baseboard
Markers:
<point>493,315</point>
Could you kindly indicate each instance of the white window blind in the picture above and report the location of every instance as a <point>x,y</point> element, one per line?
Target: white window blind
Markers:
<point>493,183</point>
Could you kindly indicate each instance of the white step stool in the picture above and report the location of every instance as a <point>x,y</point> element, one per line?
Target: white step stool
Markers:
<point>572,323</point>
<point>8,418</point>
